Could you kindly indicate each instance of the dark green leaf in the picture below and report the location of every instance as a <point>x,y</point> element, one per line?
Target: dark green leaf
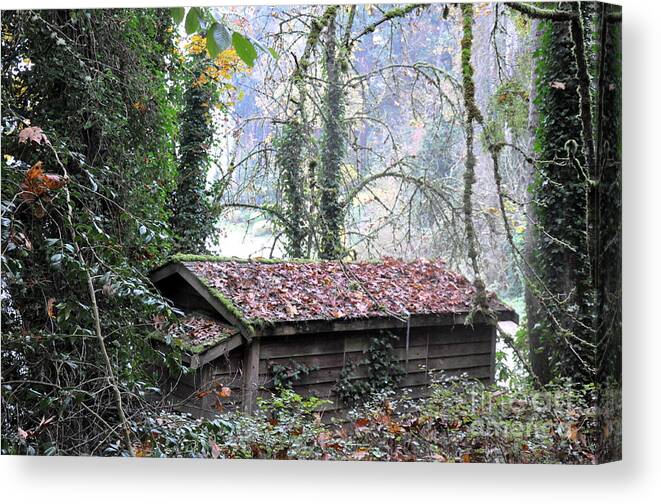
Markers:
<point>244,49</point>
<point>177,14</point>
<point>192,21</point>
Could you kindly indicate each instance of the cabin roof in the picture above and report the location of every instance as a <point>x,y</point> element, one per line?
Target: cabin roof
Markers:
<point>261,291</point>
<point>197,332</point>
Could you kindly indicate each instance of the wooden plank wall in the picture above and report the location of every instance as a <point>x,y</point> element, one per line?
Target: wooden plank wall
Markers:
<point>454,349</point>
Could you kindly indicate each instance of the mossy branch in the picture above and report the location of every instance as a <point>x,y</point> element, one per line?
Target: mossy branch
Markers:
<point>391,14</point>
<point>540,12</point>
<point>585,103</point>
<point>472,115</point>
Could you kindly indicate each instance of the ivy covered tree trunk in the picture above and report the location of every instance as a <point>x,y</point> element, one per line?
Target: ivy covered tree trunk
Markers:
<point>559,202</point>
<point>289,162</point>
<point>192,217</point>
<point>332,152</point>
<point>537,351</point>
<point>299,180</point>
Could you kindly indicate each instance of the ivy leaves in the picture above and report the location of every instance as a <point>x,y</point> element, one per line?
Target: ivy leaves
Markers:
<point>384,371</point>
<point>218,36</point>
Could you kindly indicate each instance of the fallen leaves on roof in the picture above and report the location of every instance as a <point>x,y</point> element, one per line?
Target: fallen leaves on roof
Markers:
<point>198,332</point>
<point>298,291</point>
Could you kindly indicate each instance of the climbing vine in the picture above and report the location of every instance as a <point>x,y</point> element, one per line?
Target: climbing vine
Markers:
<point>333,141</point>
<point>88,135</point>
<point>208,85</point>
<point>560,205</point>
<point>380,365</point>
<point>289,161</point>
<point>285,376</point>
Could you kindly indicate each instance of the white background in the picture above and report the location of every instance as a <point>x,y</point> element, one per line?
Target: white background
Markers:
<point>636,479</point>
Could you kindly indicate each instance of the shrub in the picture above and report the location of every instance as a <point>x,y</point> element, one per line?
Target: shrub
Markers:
<point>462,421</point>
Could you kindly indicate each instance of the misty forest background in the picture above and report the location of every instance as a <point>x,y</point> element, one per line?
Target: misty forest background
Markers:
<point>484,134</point>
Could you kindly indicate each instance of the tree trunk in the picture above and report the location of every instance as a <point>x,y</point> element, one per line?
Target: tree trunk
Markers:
<point>332,152</point>
<point>539,355</point>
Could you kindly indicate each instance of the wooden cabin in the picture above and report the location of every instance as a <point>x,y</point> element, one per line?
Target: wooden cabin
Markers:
<point>250,324</point>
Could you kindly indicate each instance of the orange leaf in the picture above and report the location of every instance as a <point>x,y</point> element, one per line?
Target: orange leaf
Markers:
<point>395,428</point>
<point>52,182</point>
<point>201,394</point>
<point>224,392</point>
<point>37,183</point>
<point>362,422</point>
<point>383,419</point>
<point>50,308</point>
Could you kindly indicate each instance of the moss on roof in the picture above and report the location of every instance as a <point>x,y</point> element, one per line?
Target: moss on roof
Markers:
<point>248,324</point>
<point>196,333</point>
<point>181,258</point>
<point>202,347</point>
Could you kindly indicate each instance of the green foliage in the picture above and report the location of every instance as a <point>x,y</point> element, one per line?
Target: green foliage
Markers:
<point>207,86</point>
<point>285,426</point>
<point>193,20</point>
<point>286,375</point>
<point>463,421</point>
<point>218,39</point>
<point>515,425</point>
<point>244,48</point>
<point>95,81</point>
<point>379,364</point>
<point>178,14</point>
<point>508,110</point>
<point>331,215</point>
<point>289,162</point>
<point>559,202</point>
<point>609,197</point>
<point>217,36</point>
<point>192,216</point>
